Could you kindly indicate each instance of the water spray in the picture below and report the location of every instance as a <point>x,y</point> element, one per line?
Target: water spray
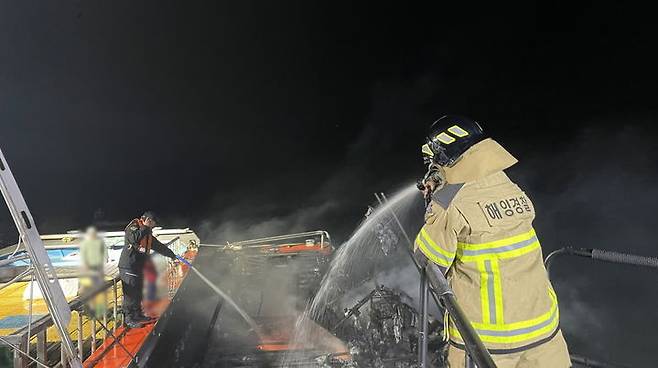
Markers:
<point>223,295</point>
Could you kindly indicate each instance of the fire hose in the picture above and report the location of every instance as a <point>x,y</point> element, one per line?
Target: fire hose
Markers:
<point>441,292</point>
<point>604,256</point>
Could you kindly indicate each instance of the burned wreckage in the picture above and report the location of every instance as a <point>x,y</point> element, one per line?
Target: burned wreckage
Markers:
<point>351,311</point>
<point>364,323</point>
<point>353,314</point>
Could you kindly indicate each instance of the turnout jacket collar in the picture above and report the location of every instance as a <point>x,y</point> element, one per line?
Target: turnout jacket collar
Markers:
<point>481,160</point>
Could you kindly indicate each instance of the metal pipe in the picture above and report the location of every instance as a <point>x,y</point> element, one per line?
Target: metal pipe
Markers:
<point>114,307</point>
<point>474,346</point>
<point>468,362</point>
<point>564,251</point>
<point>274,238</point>
<point>423,331</point>
<point>93,333</point>
<point>409,250</point>
<point>80,340</point>
<point>354,310</point>
<point>118,342</point>
<point>29,316</point>
<point>17,278</point>
<point>104,315</point>
<point>62,356</point>
<point>42,343</point>
<point>9,261</point>
<point>21,352</point>
<point>395,217</point>
<point>591,363</point>
<point>441,291</point>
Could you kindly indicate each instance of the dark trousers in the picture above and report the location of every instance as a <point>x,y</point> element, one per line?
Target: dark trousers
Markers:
<point>132,283</point>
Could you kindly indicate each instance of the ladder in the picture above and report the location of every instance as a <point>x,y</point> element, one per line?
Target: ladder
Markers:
<point>44,272</point>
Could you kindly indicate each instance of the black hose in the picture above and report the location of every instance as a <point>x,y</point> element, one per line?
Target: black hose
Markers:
<point>630,259</point>
<point>602,255</point>
<point>582,361</point>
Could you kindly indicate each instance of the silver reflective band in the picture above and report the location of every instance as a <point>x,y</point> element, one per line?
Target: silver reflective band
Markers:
<point>519,331</point>
<point>431,250</point>
<point>503,249</point>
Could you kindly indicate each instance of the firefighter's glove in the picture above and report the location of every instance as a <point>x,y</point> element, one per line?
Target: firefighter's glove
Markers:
<point>433,180</point>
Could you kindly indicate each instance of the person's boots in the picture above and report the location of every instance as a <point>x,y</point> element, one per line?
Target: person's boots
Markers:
<point>131,323</point>
<point>142,318</point>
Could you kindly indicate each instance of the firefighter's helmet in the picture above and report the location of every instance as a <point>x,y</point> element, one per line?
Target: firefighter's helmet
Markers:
<point>449,137</point>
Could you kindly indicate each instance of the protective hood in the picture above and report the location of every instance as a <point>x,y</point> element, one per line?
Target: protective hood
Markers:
<point>483,159</point>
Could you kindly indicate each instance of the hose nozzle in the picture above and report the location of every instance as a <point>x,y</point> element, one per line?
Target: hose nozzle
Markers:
<point>185,261</point>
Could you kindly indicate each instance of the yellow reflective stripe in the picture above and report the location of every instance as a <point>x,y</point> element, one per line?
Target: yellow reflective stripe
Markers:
<point>491,292</point>
<point>498,291</point>
<point>484,292</point>
<point>521,324</point>
<point>518,331</point>
<point>433,251</point>
<point>426,237</point>
<point>511,247</point>
<point>526,337</point>
<point>434,256</point>
<point>499,243</point>
<point>427,150</point>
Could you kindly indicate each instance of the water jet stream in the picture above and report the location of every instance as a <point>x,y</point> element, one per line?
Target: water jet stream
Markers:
<point>351,259</point>
<point>228,299</point>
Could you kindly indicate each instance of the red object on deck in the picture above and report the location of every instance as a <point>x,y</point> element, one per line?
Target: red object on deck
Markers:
<point>299,248</point>
<point>111,355</point>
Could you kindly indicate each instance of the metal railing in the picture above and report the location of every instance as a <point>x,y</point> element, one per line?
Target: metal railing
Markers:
<point>30,343</point>
<point>323,236</point>
<point>603,256</point>
<point>434,283</point>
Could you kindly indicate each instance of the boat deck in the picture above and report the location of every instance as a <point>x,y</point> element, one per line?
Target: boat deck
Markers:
<point>115,354</point>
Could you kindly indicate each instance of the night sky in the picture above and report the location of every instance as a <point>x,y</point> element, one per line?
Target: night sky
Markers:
<point>242,119</point>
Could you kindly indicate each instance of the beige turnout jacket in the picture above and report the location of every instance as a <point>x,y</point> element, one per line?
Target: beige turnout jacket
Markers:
<point>479,229</point>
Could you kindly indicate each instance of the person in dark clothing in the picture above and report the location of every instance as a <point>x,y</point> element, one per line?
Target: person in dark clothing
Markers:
<point>139,241</point>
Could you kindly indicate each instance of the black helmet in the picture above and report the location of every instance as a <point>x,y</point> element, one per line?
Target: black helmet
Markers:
<point>151,215</point>
<point>449,137</point>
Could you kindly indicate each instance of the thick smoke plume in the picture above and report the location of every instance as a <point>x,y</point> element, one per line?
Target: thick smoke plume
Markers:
<point>594,189</point>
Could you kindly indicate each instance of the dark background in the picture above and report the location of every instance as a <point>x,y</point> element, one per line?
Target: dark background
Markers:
<point>241,119</point>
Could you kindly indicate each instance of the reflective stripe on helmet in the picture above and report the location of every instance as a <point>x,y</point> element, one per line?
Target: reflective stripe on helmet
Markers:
<point>444,138</point>
<point>457,131</point>
<point>426,150</point>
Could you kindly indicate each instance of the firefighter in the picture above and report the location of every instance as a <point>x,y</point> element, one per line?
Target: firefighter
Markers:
<point>139,241</point>
<point>478,230</point>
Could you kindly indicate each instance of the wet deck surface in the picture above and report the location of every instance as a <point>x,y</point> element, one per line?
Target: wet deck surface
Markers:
<point>199,330</point>
<point>117,354</point>
<point>111,354</point>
